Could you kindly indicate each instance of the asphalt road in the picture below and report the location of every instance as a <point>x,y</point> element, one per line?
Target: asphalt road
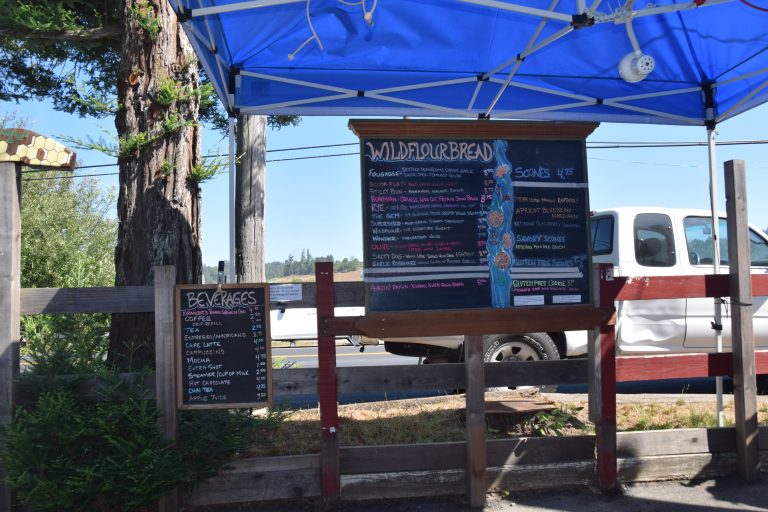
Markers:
<point>346,355</point>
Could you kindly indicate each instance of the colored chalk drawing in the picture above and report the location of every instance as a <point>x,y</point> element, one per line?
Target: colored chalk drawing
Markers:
<point>501,240</point>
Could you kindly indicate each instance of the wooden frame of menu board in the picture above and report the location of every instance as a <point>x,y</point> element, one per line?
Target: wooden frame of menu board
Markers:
<point>223,349</point>
<point>474,215</point>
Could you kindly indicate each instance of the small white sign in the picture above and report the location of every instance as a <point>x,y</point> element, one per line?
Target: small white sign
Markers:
<point>566,299</point>
<point>284,292</point>
<point>529,300</point>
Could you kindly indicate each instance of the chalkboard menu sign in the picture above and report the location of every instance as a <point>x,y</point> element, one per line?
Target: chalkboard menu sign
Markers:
<point>474,223</point>
<point>223,347</point>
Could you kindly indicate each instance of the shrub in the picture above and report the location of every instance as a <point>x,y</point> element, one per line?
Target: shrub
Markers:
<point>69,455</point>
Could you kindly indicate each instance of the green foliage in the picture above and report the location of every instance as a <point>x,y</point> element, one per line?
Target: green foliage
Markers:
<point>87,46</point>
<point>173,123</point>
<point>94,100</point>
<point>306,265</point>
<point>43,15</point>
<point>129,145</point>
<point>68,239</point>
<point>145,16</point>
<point>168,92</point>
<point>167,168</point>
<point>70,455</point>
<point>66,344</point>
<point>551,423</point>
<point>68,232</point>
<point>203,172</point>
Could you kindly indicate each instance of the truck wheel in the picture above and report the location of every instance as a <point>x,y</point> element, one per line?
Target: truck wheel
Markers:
<point>520,347</point>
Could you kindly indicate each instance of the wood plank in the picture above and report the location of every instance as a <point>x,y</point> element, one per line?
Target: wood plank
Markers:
<point>681,366</point>
<point>10,308</point>
<point>403,457</point>
<point>91,388</point>
<point>469,322</point>
<point>605,426</point>
<point>673,287</point>
<point>140,299</point>
<point>255,480</point>
<point>540,450</point>
<point>345,294</point>
<point>678,366</point>
<point>675,442</point>
<point>327,386</point>
<point>475,412</point>
<point>474,129</point>
<point>165,364</point>
<point>409,377</point>
<point>744,384</point>
<point>536,373</point>
<point>294,381</point>
<point>411,484</point>
<point>122,299</point>
<point>676,467</point>
<point>436,456</point>
<point>541,476</point>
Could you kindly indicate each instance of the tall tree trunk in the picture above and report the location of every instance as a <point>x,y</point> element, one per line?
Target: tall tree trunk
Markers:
<point>249,198</point>
<point>158,206</point>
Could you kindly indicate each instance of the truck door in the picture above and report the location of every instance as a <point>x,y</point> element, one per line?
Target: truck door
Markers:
<point>651,326</point>
<point>698,239</point>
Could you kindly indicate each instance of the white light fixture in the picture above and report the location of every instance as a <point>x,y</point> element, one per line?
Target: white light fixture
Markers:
<point>636,66</point>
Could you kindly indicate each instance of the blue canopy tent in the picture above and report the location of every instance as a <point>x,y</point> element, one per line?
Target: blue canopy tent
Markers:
<point>706,60</point>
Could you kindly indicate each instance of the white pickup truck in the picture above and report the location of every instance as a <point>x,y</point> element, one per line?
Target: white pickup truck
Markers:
<point>637,241</point>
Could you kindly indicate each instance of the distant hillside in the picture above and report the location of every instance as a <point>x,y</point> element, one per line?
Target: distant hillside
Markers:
<point>308,278</point>
<point>300,270</point>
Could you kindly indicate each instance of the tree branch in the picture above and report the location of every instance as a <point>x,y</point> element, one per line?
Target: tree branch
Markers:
<point>76,36</point>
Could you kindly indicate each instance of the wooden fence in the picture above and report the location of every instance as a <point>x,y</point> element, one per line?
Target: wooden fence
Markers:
<point>440,468</point>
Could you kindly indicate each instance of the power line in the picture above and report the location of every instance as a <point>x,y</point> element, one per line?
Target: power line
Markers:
<point>590,145</point>
<point>70,176</point>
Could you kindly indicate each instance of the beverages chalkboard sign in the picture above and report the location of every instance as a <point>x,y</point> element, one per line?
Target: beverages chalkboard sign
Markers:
<point>223,347</point>
<point>474,223</point>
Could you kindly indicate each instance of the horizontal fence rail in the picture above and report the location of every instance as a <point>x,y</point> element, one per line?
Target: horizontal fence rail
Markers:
<point>140,299</point>
<point>437,468</point>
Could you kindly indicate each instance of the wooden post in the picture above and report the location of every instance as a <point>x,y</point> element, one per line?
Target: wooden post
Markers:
<point>165,364</point>
<point>602,388</point>
<point>474,369</point>
<point>744,385</point>
<point>10,300</point>
<point>329,415</point>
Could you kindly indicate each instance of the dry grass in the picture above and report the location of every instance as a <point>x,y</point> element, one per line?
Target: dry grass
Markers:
<point>338,277</point>
<point>441,419</point>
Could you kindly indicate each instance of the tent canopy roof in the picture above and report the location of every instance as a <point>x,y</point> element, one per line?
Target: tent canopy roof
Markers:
<point>506,59</point>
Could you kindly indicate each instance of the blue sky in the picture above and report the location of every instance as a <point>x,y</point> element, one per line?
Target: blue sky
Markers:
<point>315,203</point>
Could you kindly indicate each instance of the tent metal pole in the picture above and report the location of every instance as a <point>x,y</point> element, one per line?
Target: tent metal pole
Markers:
<point>718,322</point>
<point>232,270</point>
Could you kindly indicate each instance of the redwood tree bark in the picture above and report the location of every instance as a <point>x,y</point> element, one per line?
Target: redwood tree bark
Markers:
<point>158,207</point>
<point>249,198</point>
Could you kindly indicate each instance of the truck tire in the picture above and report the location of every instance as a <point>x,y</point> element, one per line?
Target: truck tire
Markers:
<point>536,346</point>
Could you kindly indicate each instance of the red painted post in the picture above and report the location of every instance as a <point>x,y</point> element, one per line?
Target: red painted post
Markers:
<point>606,428</point>
<point>329,417</point>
